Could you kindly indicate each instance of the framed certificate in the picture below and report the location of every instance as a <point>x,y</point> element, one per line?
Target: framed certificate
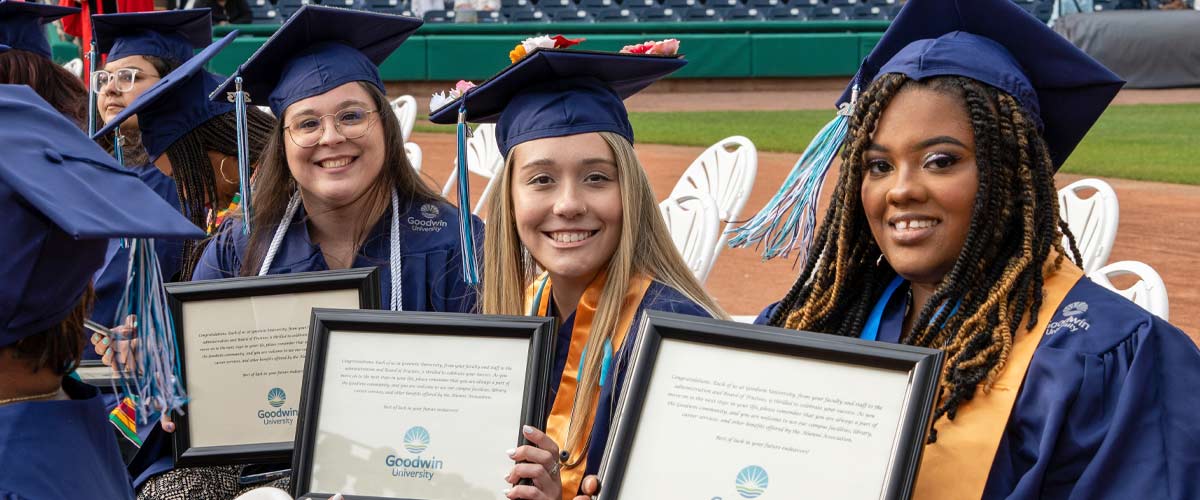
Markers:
<point>404,405</point>
<point>242,346</point>
<point>733,411</point>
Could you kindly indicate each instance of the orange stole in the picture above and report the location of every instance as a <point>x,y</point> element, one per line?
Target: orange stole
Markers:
<point>537,302</point>
<point>956,467</point>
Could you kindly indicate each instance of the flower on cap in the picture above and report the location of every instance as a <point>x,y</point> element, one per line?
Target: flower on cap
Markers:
<point>541,42</point>
<point>441,99</point>
<point>668,47</point>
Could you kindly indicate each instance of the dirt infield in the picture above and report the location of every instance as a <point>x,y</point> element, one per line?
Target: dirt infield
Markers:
<point>1157,226</point>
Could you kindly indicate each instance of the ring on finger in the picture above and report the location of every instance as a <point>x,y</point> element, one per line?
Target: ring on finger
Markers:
<point>554,470</point>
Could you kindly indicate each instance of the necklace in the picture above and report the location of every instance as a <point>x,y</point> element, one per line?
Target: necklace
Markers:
<point>19,399</point>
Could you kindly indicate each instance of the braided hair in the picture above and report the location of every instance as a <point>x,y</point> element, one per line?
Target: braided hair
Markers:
<point>195,180</point>
<point>997,278</point>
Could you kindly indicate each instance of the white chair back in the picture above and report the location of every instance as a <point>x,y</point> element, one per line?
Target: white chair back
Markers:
<point>1092,220</point>
<point>75,66</point>
<point>266,109</point>
<point>725,171</point>
<point>413,152</point>
<point>1148,292</point>
<point>693,221</point>
<point>405,108</point>
<point>264,494</point>
<point>483,159</point>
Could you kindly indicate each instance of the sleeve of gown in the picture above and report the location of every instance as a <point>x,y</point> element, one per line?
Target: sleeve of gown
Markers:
<point>765,316</point>
<point>220,258</point>
<point>1141,402</point>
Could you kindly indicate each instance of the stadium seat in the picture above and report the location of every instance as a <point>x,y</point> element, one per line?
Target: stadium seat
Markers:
<point>681,5</point>
<point>693,221</point>
<point>701,14</point>
<point>439,16</point>
<point>405,108</point>
<point>723,5</point>
<point>615,15</point>
<point>510,4</point>
<point>1092,220</point>
<point>743,14</point>
<point>1043,11</point>
<point>264,16</point>
<point>595,5</point>
<point>1103,5</point>
<point>527,16</point>
<point>828,13</point>
<point>764,4</point>
<point>571,16</point>
<point>552,6</point>
<point>804,3</point>
<point>787,14</point>
<point>640,4</point>
<point>868,13</point>
<point>659,14</point>
<point>881,3</point>
<point>844,4</point>
<point>1148,291</point>
<point>414,154</point>
<point>725,172</point>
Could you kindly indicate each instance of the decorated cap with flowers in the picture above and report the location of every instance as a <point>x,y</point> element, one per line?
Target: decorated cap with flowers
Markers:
<point>551,90</point>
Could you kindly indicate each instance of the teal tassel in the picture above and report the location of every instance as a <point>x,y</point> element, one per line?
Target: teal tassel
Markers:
<point>467,236</point>
<point>789,219</point>
<point>152,377</point>
<point>91,57</point>
<point>118,145</point>
<point>243,150</point>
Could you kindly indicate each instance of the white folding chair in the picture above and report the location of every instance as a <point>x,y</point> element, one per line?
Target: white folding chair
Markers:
<point>1092,220</point>
<point>693,221</point>
<point>483,159</point>
<point>413,152</point>
<point>264,493</point>
<point>405,108</point>
<point>725,171</point>
<point>1148,292</point>
<point>75,66</point>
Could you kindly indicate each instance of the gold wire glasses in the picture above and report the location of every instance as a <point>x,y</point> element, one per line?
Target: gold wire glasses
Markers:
<point>351,123</point>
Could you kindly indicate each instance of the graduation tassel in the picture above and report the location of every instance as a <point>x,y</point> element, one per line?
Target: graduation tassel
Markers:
<point>243,150</point>
<point>467,236</point>
<point>789,219</point>
<point>151,378</point>
<point>118,143</point>
<point>92,91</point>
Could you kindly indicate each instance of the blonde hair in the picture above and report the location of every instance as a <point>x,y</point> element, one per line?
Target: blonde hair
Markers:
<point>645,247</point>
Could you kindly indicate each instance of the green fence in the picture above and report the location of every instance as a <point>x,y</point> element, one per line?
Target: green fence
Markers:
<point>714,50</point>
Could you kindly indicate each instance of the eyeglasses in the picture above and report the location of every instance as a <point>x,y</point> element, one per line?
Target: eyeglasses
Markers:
<point>123,79</point>
<point>351,123</point>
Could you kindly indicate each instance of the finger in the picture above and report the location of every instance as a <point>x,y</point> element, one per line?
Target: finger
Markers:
<point>107,358</point>
<point>533,471</point>
<point>591,485</point>
<point>167,425</point>
<point>540,439</point>
<point>525,492</point>
<point>533,454</point>
<point>101,346</point>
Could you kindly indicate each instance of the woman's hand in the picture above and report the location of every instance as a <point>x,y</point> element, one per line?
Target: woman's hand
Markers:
<point>113,352</point>
<point>589,488</point>
<point>537,462</point>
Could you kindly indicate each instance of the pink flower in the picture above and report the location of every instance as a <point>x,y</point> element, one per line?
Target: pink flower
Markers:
<point>640,48</point>
<point>668,47</point>
<point>463,86</point>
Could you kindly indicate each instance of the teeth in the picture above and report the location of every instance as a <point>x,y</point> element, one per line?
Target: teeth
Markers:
<point>334,163</point>
<point>570,236</point>
<point>915,224</point>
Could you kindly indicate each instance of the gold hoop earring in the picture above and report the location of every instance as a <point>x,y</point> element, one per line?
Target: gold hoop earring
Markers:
<point>221,170</point>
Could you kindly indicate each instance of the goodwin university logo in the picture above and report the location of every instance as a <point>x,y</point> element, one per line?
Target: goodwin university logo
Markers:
<point>276,397</point>
<point>416,440</point>
<point>751,482</point>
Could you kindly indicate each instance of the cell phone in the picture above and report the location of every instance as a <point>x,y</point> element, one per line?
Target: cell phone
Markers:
<point>98,328</point>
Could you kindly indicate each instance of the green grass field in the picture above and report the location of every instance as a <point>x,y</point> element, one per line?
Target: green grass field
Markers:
<point>1144,142</point>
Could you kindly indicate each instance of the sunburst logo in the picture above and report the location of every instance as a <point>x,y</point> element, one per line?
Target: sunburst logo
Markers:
<point>276,397</point>
<point>416,440</point>
<point>751,482</point>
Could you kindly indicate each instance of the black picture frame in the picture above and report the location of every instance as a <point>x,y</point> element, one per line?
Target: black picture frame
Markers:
<point>364,280</point>
<point>539,330</point>
<point>923,364</point>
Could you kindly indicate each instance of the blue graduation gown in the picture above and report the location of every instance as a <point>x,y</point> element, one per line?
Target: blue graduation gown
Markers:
<point>1108,408</point>
<point>431,261</point>
<point>109,281</point>
<point>66,450</point>
<point>659,297</point>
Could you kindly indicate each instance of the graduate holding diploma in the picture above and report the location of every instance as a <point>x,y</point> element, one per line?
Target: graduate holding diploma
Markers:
<point>944,232</point>
<point>574,201</point>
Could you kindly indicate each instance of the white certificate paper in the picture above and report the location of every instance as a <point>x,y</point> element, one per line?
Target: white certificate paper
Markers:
<point>727,423</point>
<point>245,364</point>
<point>418,416</point>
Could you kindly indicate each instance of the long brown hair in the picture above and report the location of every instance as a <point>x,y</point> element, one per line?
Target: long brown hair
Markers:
<point>645,247</point>
<point>52,82</point>
<point>996,280</point>
<point>274,184</point>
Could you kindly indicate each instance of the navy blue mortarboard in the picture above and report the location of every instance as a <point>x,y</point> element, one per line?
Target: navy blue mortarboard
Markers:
<point>319,49</point>
<point>559,92</point>
<point>998,43</point>
<point>63,196</point>
<point>176,104</point>
<point>22,25</point>
<point>168,34</point>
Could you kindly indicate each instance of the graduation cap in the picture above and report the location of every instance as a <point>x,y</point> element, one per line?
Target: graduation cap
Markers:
<point>63,197</point>
<point>560,92</point>
<point>176,104</point>
<point>169,34</point>
<point>995,42</point>
<point>22,25</point>
<point>319,49</point>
